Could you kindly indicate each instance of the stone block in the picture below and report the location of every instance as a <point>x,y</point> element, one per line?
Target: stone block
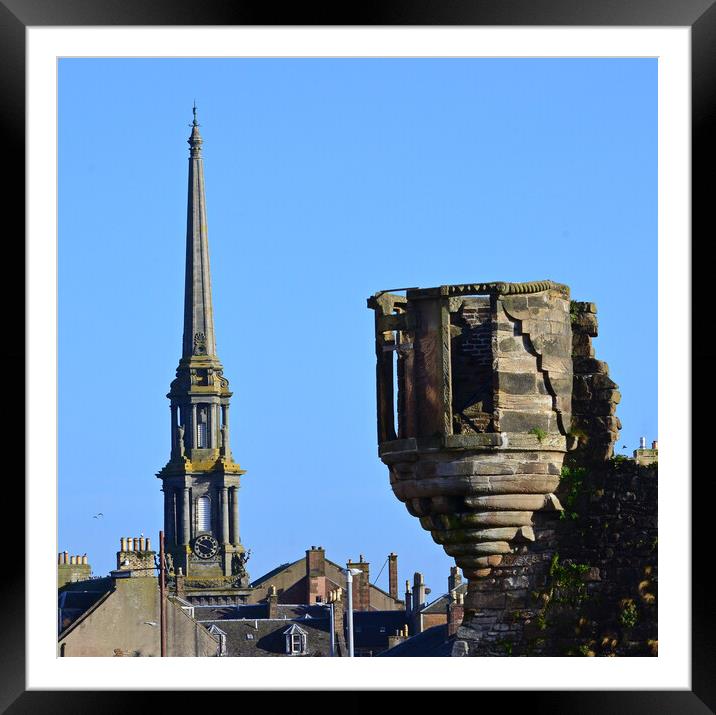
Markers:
<point>514,303</point>
<point>553,345</point>
<point>556,364</point>
<point>540,300</point>
<point>480,601</point>
<point>590,365</point>
<point>479,549</point>
<point>582,346</point>
<point>517,383</point>
<point>508,345</point>
<point>561,384</point>
<point>513,421</point>
<point>515,362</point>
<point>585,323</point>
<point>506,502</point>
<point>529,403</point>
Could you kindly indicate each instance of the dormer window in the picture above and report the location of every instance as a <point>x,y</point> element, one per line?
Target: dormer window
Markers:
<point>221,635</point>
<point>296,640</point>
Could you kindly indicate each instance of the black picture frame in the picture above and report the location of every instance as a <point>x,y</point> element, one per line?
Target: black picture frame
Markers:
<point>699,15</point>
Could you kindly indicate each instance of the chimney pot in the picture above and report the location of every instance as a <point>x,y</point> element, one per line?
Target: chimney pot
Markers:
<point>642,442</point>
<point>655,444</point>
<point>142,544</point>
<point>123,544</point>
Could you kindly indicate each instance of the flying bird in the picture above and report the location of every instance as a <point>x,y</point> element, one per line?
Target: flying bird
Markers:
<point>97,516</point>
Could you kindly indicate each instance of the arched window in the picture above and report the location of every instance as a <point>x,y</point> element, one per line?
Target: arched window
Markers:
<point>202,428</point>
<point>203,514</point>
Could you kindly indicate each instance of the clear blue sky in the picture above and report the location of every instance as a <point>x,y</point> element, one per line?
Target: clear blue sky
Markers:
<point>327,180</point>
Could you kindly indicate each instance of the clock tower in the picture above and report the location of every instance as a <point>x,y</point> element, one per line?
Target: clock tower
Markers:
<point>201,480</point>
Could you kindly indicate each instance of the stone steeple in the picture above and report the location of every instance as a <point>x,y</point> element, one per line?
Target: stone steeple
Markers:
<point>201,479</point>
<point>199,338</point>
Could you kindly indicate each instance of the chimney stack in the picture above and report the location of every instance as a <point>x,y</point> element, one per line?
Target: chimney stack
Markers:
<point>272,601</point>
<point>135,555</point>
<point>315,574</point>
<point>455,613</point>
<point>418,601</point>
<point>408,599</point>
<point>335,597</point>
<point>393,575</point>
<point>71,569</point>
<point>361,584</point>
<point>455,579</point>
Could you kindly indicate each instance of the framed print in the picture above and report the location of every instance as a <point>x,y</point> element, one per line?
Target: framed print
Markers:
<point>367,114</point>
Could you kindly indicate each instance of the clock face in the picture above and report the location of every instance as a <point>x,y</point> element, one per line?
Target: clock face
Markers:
<point>205,546</point>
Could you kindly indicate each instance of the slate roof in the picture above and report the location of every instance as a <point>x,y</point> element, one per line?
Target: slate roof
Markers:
<point>266,638</point>
<point>367,627</point>
<point>259,611</point>
<point>432,642</point>
<point>74,602</point>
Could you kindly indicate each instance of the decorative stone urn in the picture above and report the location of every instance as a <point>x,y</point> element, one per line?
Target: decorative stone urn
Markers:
<point>481,375</point>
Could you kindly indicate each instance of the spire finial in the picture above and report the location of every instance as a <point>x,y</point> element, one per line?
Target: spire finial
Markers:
<point>195,140</point>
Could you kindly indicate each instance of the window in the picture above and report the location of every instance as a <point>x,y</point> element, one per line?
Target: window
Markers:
<point>221,647</point>
<point>296,640</point>
<point>202,427</point>
<point>203,514</point>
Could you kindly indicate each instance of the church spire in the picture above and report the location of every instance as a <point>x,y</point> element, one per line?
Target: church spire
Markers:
<point>199,338</point>
<point>201,480</point>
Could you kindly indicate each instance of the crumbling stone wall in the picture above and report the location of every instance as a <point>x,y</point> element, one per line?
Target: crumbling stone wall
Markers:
<point>595,426</point>
<point>482,457</point>
<point>588,584</point>
<point>609,537</point>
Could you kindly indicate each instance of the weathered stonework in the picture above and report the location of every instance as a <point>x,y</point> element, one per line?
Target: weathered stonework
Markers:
<point>595,426</point>
<point>495,382</point>
<point>484,400</point>
<point>201,480</point>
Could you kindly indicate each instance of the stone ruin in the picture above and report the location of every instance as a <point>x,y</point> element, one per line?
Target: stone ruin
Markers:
<point>482,390</point>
